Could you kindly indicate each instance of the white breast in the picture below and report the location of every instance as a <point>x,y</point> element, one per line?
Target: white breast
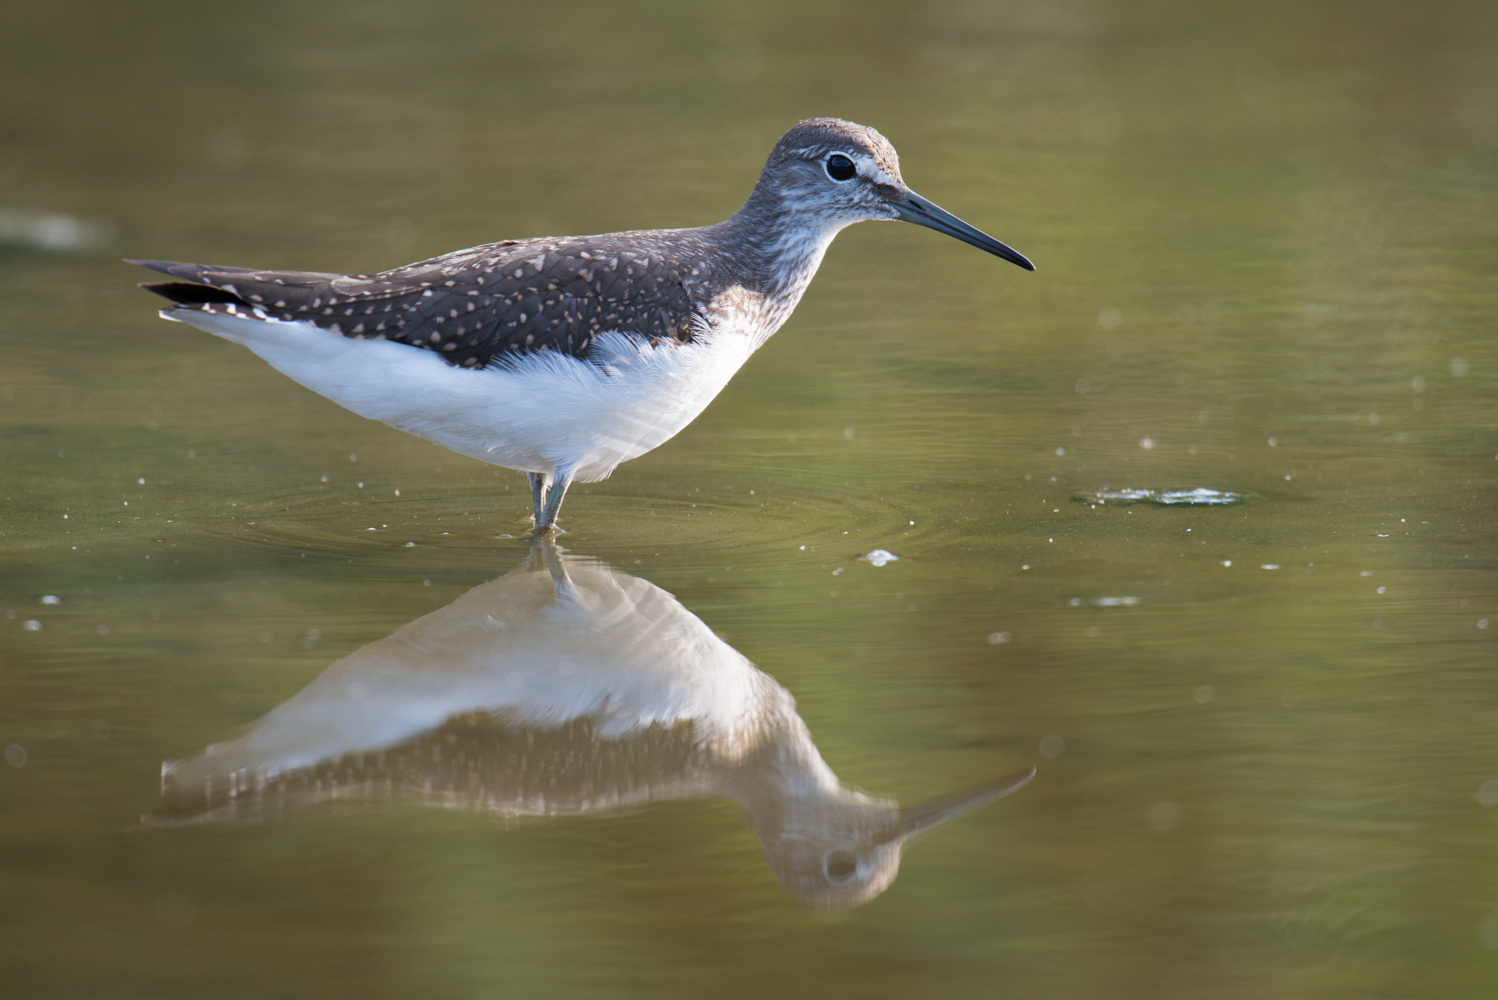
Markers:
<point>545,411</point>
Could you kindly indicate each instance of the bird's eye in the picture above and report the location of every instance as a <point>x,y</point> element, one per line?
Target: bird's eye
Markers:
<point>840,865</point>
<point>840,168</point>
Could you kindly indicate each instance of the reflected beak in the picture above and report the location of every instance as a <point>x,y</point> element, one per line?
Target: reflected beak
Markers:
<point>914,208</point>
<point>915,819</point>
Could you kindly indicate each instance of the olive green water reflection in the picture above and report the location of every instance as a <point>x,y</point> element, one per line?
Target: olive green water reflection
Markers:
<point>1265,240</point>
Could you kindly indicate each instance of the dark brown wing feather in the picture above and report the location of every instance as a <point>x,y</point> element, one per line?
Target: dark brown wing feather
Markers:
<point>474,306</point>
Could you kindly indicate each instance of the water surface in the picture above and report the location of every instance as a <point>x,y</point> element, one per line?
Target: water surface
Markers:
<point>1265,242</point>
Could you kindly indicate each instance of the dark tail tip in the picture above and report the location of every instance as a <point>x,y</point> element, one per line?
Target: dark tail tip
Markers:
<point>188,294</point>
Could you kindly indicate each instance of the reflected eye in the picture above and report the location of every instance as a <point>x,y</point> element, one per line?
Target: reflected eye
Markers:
<point>840,168</point>
<point>840,865</point>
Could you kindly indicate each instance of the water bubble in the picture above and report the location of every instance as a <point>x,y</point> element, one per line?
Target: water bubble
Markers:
<point>1083,386</point>
<point>1203,694</point>
<point>1417,384</point>
<point>1114,602</point>
<point>1482,623</point>
<point>1227,562</point>
<point>1457,367</point>
<point>1052,746</point>
<point>1270,566</point>
<point>998,638</point>
<point>1374,418</point>
<point>1274,442</point>
<point>1365,572</point>
<point>1163,816</point>
<point>51,599</point>
<point>838,571</point>
<point>31,625</point>
<point>352,457</point>
<point>15,756</point>
<point>1487,793</point>
<point>1148,444</point>
<point>102,630</point>
<point>1110,318</point>
<point>878,557</point>
<point>1060,452</point>
<point>1075,601</point>
<point>848,433</point>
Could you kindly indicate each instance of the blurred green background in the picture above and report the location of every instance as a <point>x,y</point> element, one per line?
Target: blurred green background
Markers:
<point>1266,237</point>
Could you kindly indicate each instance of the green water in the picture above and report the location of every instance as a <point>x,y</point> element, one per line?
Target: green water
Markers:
<point>1266,236</point>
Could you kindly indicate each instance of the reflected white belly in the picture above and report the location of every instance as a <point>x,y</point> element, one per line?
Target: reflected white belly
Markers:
<point>545,412</point>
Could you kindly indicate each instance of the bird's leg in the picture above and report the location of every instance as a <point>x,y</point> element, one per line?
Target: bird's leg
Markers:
<point>538,494</point>
<point>547,522</point>
<point>545,550</point>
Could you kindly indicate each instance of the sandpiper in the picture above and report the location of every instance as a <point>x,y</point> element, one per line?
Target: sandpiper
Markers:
<point>563,688</point>
<point>562,357</point>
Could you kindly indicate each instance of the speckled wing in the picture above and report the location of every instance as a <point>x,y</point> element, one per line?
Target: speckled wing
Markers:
<point>473,307</point>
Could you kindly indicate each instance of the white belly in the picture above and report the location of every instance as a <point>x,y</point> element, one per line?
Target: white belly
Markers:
<point>545,412</point>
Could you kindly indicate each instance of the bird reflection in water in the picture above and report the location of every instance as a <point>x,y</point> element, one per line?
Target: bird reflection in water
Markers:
<point>565,687</point>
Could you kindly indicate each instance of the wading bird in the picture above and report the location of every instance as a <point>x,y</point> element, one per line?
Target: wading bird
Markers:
<point>563,356</point>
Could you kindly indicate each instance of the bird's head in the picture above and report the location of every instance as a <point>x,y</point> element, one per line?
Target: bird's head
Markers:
<point>842,850</point>
<point>841,173</point>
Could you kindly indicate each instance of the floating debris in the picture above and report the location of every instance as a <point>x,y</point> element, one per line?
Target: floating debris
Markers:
<point>879,557</point>
<point>33,230</point>
<point>1199,497</point>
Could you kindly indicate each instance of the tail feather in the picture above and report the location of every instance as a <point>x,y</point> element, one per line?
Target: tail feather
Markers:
<point>187,293</point>
<point>202,273</point>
